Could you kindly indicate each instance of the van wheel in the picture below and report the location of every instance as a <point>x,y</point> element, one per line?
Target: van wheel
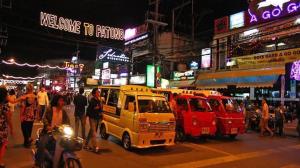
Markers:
<point>180,136</point>
<point>103,133</point>
<point>126,142</point>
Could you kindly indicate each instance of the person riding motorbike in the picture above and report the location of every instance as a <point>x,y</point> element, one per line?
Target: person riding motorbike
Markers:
<point>55,116</point>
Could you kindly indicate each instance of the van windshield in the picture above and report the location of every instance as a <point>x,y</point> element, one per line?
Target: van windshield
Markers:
<point>153,105</point>
<point>230,105</point>
<point>199,105</point>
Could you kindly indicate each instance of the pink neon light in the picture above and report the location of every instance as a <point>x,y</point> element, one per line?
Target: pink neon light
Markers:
<point>295,71</point>
<point>130,33</point>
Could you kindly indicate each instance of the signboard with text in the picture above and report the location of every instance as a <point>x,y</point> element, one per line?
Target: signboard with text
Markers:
<point>268,59</point>
<point>106,54</point>
<point>78,27</point>
<point>267,10</point>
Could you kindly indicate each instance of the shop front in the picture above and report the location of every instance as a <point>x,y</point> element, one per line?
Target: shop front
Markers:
<point>253,50</point>
<point>112,66</point>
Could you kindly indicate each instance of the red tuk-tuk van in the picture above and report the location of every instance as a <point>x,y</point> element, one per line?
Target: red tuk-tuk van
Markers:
<point>194,116</point>
<point>230,118</point>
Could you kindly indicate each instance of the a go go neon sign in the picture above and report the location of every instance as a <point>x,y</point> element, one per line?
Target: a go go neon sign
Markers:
<point>280,9</point>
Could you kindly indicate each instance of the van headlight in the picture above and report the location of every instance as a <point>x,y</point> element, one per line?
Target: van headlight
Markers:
<point>68,131</point>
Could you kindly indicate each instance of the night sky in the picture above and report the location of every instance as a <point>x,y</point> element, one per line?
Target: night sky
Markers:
<point>29,42</point>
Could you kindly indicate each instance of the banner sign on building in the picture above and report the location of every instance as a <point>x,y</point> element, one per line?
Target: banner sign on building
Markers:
<point>107,54</point>
<point>268,59</point>
<point>222,25</point>
<point>266,10</point>
<point>78,27</point>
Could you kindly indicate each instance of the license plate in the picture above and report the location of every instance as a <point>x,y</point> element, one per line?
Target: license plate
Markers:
<point>234,131</point>
<point>205,130</point>
<point>158,134</point>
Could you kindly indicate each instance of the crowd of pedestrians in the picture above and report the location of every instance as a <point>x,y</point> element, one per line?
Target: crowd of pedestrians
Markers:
<point>37,107</point>
<point>269,119</point>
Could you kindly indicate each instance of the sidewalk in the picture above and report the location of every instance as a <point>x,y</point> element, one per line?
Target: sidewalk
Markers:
<point>290,128</point>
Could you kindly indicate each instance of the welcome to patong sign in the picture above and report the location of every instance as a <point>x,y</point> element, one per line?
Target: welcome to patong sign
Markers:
<point>267,10</point>
<point>78,27</point>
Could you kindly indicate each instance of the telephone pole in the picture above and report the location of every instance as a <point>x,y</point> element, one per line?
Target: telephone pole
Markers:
<point>156,23</point>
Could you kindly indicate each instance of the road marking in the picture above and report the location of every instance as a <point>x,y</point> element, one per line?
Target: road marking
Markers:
<point>291,166</point>
<point>224,159</point>
<point>198,146</point>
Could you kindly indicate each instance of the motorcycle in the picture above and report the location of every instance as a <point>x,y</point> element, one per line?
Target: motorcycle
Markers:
<point>68,143</point>
<point>254,120</point>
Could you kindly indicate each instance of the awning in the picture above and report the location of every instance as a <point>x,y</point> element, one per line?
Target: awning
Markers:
<point>182,83</point>
<point>241,82</point>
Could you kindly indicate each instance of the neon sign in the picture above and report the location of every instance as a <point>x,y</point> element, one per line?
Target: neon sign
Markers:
<point>74,26</point>
<point>106,54</point>
<point>275,3</point>
<point>272,9</point>
<point>295,71</point>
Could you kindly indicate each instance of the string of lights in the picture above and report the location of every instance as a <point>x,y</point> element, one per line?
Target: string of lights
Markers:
<point>23,78</point>
<point>33,65</point>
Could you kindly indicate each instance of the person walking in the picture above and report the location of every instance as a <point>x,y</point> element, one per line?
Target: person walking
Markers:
<point>265,119</point>
<point>298,117</point>
<point>94,112</point>
<point>11,100</point>
<point>279,117</point>
<point>5,124</point>
<point>43,102</point>
<point>80,102</point>
<point>27,113</point>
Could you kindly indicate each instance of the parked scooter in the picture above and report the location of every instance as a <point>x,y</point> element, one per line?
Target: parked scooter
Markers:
<point>64,135</point>
<point>255,116</point>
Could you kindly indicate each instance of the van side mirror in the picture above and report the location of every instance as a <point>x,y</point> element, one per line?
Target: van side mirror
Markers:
<point>131,107</point>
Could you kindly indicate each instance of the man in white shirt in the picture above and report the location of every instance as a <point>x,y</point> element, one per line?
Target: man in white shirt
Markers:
<point>43,102</point>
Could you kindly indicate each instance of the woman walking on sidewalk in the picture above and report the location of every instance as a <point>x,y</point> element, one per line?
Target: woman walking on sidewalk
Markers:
<point>27,114</point>
<point>5,124</point>
<point>94,112</point>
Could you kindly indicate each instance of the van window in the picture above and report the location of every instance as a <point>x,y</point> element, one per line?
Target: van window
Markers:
<point>113,97</point>
<point>215,105</point>
<point>199,105</point>
<point>104,94</point>
<point>129,99</point>
<point>113,100</point>
<point>182,104</point>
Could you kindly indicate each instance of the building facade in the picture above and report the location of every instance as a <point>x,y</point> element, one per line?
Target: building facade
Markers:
<point>255,52</point>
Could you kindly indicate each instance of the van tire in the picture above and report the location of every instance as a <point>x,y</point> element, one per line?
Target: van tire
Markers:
<point>180,135</point>
<point>103,133</point>
<point>126,141</point>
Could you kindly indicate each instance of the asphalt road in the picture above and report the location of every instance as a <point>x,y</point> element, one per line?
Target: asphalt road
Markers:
<point>248,150</point>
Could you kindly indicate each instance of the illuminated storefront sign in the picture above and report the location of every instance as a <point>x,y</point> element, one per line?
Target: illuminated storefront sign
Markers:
<point>73,66</point>
<point>150,75</point>
<point>111,54</point>
<point>74,26</point>
<point>138,80</point>
<point>237,20</point>
<point>206,58</point>
<point>105,74</point>
<point>266,10</point>
<point>194,65</point>
<point>221,25</point>
<point>295,71</point>
<point>268,59</point>
<point>188,75</point>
